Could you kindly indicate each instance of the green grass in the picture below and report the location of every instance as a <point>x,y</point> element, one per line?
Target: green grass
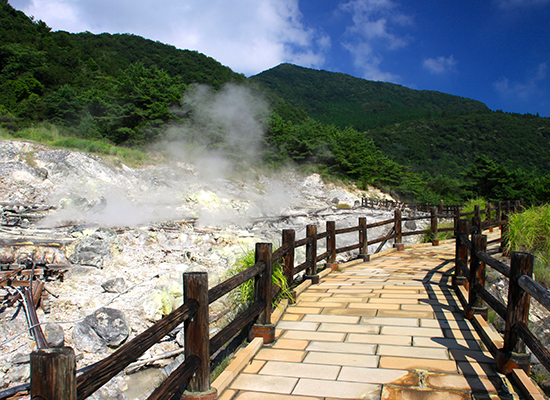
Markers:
<point>530,231</point>
<point>51,136</point>
<point>243,296</point>
<point>428,237</point>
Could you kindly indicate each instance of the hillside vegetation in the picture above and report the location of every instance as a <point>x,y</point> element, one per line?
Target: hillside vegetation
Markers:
<point>96,92</point>
<point>344,100</point>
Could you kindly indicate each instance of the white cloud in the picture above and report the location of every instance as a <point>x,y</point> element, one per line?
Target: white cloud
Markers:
<point>522,90</point>
<point>510,4</point>
<point>440,65</point>
<point>372,32</point>
<point>247,35</point>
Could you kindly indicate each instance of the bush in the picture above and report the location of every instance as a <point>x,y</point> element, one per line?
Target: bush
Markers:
<point>243,296</point>
<point>530,231</point>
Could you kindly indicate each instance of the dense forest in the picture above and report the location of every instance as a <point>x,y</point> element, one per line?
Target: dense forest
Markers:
<point>124,90</point>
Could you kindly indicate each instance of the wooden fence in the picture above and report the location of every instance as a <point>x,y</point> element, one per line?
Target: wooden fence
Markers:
<point>470,271</point>
<point>53,370</point>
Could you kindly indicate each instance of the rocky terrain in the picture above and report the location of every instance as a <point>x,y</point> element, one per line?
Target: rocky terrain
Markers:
<point>127,235</point>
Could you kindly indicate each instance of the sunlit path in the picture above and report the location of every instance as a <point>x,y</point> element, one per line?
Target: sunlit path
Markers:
<point>392,327</point>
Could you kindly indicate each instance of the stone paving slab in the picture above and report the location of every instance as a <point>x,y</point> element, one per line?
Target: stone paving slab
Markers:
<point>388,328</point>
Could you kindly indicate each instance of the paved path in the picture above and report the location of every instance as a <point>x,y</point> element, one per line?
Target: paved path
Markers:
<point>390,328</point>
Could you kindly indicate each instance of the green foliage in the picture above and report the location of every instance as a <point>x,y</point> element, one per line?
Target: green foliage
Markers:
<point>530,231</point>
<point>243,296</point>
<point>344,100</point>
<point>115,87</point>
<point>428,237</point>
<point>496,182</point>
<point>51,136</point>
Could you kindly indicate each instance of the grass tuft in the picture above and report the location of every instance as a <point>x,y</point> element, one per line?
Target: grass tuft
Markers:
<point>530,231</point>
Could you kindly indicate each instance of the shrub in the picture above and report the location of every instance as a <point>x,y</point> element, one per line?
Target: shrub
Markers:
<point>530,231</point>
<point>243,296</point>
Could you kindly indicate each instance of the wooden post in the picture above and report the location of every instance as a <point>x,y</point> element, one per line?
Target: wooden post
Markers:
<point>398,231</point>
<point>503,229</point>
<point>289,236</point>
<point>499,212</point>
<point>311,254</point>
<point>263,294</point>
<point>513,354</point>
<point>461,254</point>
<point>476,219</point>
<point>264,281</point>
<point>53,374</point>
<point>196,334</point>
<point>488,216</point>
<point>331,245</point>
<point>477,276</point>
<point>456,218</point>
<point>363,239</point>
<point>441,207</point>
<point>433,227</point>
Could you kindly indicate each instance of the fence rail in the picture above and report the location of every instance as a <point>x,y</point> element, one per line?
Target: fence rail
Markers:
<point>193,374</point>
<point>520,290</point>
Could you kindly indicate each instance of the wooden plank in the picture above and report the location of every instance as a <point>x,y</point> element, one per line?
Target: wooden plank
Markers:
<point>227,333</point>
<point>535,289</point>
<point>347,230</point>
<point>491,300</point>
<point>225,287</point>
<point>176,380</point>
<point>496,264</point>
<point>542,354</point>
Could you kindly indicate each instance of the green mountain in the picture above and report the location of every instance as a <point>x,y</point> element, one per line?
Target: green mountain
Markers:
<point>116,87</point>
<point>103,90</point>
<point>428,131</point>
<point>344,100</point>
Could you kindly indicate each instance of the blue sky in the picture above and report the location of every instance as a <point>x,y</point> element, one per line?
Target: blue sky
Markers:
<point>495,51</point>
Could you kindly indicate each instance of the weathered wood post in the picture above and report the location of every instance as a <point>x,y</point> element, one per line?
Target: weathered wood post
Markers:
<point>363,239</point>
<point>53,374</point>
<point>196,336</point>
<point>476,219</point>
<point>477,277</point>
<point>399,246</point>
<point>456,218</point>
<point>488,215</point>
<point>331,245</point>
<point>513,354</point>
<point>289,237</point>
<point>263,290</point>
<point>498,216</point>
<point>441,207</point>
<point>503,233</point>
<point>461,254</point>
<point>433,226</point>
<point>311,254</point>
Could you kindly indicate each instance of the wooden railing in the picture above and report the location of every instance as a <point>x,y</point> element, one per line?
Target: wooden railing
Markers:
<point>470,270</point>
<point>53,371</point>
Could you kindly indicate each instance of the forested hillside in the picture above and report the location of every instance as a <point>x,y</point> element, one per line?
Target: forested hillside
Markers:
<point>344,100</point>
<point>104,90</point>
<point>114,87</point>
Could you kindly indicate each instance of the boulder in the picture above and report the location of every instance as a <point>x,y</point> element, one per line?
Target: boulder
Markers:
<point>86,339</point>
<point>110,325</point>
<point>54,335</point>
<point>92,250</point>
<point>115,285</point>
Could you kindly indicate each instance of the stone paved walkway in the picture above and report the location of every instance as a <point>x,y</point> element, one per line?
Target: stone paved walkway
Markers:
<point>391,328</point>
